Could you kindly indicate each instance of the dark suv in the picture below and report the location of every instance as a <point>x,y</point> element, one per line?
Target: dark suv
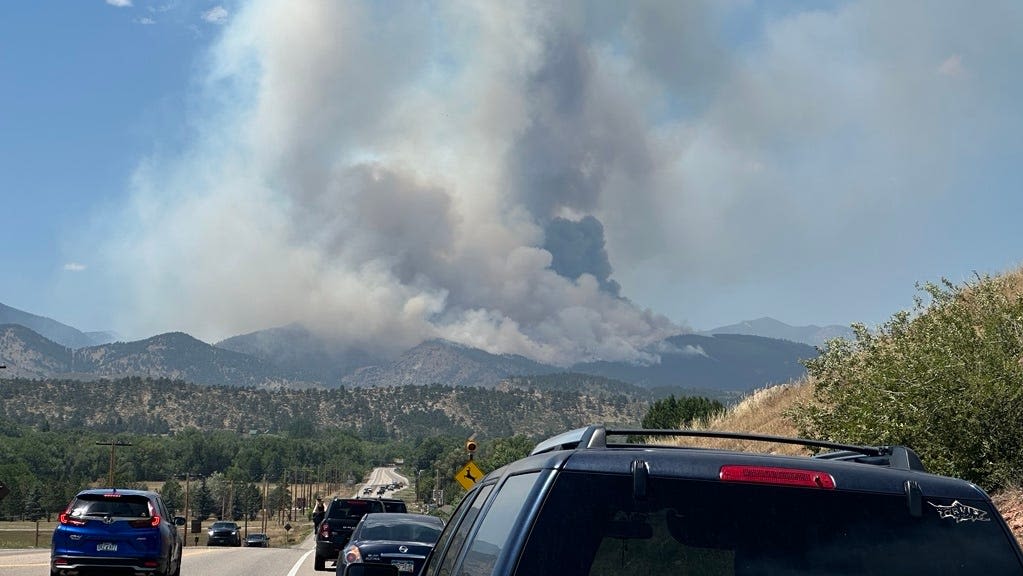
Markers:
<point>110,529</point>
<point>336,528</point>
<point>581,505</point>
<point>224,533</point>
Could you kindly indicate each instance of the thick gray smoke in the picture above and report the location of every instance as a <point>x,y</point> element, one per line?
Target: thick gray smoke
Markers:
<point>577,248</point>
<point>515,175</point>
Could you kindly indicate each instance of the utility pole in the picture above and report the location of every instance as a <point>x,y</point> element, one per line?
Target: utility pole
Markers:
<point>110,477</point>
<point>4,490</point>
<point>266,510</point>
<point>187,519</point>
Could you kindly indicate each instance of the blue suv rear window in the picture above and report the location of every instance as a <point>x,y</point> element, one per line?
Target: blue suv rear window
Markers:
<point>121,506</point>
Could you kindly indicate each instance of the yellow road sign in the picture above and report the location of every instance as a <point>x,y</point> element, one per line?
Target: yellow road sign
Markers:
<point>469,475</point>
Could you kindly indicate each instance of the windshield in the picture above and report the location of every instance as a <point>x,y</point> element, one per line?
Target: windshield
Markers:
<point>401,531</point>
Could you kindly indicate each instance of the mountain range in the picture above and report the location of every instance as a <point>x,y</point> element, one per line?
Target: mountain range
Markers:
<point>771,328</point>
<point>293,357</point>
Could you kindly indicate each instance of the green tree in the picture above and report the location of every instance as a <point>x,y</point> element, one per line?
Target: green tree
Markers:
<point>943,379</point>
<point>202,503</point>
<point>671,412</point>
<point>249,500</point>
<point>501,451</point>
<point>279,499</point>
<point>173,495</point>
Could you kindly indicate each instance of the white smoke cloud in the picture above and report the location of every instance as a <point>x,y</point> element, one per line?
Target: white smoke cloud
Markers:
<point>216,15</point>
<point>387,175</point>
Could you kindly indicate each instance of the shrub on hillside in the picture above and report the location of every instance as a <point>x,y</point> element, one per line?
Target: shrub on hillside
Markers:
<point>945,379</point>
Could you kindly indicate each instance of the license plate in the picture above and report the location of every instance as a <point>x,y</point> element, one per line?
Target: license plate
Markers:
<point>106,547</point>
<point>404,565</point>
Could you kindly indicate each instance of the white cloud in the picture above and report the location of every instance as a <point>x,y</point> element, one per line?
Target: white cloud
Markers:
<point>120,3</point>
<point>216,15</point>
<point>74,267</point>
<point>145,21</point>
<point>952,66</point>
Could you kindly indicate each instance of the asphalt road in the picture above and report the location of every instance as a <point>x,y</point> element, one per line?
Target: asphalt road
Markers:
<point>198,561</point>
<point>382,476</point>
<point>217,561</point>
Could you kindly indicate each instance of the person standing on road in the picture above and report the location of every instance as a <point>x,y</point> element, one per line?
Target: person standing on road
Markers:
<point>318,512</point>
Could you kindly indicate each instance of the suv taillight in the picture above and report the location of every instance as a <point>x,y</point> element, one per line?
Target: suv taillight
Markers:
<point>67,520</point>
<point>146,523</point>
<point>324,531</point>
<point>777,476</point>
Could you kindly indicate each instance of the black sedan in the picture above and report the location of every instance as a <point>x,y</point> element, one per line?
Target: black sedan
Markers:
<point>402,540</point>
<point>257,540</point>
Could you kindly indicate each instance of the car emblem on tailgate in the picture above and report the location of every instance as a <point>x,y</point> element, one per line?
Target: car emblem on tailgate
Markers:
<point>108,519</point>
<point>403,549</point>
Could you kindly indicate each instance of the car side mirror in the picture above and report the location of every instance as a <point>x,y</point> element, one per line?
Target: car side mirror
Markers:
<point>370,569</point>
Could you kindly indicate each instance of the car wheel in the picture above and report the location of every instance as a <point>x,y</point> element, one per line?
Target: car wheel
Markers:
<point>319,563</point>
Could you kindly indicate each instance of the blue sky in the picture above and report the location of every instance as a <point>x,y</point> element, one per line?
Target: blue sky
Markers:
<point>387,172</point>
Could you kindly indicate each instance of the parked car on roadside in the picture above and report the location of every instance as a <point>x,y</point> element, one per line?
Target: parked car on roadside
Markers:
<point>105,530</point>
<point>401,540</point>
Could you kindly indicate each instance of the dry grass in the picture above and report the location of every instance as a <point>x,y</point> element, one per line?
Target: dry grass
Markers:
<point>24,534</point>
<point>762,412</point>
<point>1011,283</point>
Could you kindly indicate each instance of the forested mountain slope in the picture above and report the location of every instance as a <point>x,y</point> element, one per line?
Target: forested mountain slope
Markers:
<point>163,406</point>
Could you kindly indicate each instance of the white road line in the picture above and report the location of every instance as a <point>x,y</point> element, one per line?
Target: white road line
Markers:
<point>294,569</point>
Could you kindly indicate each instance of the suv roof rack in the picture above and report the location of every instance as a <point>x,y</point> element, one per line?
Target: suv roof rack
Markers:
<point>595,436</point>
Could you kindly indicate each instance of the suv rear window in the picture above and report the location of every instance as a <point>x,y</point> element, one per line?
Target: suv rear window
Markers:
<point>591,524</point>
<point>353,508</point>
<point>394,506</point>
<point>120,506</point>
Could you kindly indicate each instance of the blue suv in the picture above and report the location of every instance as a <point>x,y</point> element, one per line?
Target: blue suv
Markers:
<point>108,529</point>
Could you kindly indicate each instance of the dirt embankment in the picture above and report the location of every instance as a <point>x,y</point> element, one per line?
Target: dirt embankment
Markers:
<point>1010,505</point>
